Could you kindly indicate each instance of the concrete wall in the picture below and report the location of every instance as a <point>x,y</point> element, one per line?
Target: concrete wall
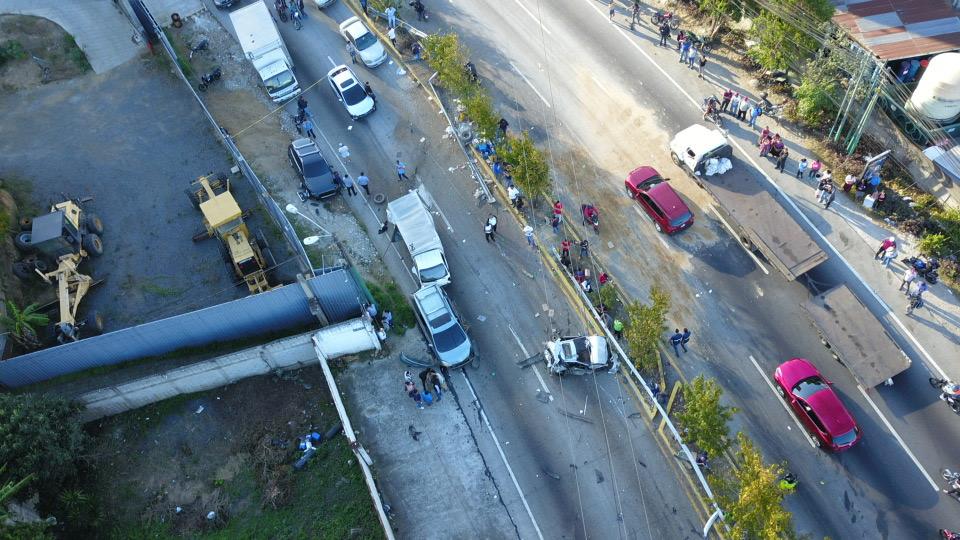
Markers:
<point>289,353</point>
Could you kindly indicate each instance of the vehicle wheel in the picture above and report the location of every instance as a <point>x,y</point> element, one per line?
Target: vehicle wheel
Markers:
<point>24,270</point>
<point>94,224</point>
<point>655,18</point>
<point>676,158</point>
<point>23,242</point>
<point>202,87</point>
<point>629,193</point>
<point>26,224</point>
<point>93,245</point>
<point>935,382</point>
<point>675,22</point>
<point>94,323</point>
<point>657,227</point>
<point>780,391</point>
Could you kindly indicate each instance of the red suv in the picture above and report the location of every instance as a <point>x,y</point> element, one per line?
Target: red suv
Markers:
<point>819,408</point>
<point>667,210</point>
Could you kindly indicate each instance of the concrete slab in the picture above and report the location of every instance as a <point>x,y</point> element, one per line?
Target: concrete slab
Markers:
<point>438,484</point>
<point>99,28</point>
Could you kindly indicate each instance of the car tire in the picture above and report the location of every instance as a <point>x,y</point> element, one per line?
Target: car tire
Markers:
<point>657,227</point>
<point>780,391</point>
<point>676,159</point>
<point>94,224</point>
<point>92,244</point>
<point>23,241</point>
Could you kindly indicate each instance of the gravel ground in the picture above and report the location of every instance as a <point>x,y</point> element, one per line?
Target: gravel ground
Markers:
<point>133,139</point>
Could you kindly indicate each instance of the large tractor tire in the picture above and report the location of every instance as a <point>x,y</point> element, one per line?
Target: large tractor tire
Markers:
<point>93,324</point>
<point>24,270</point>
<point>23,241</point>
<point>26,224</point>
<point>93,245</point>
<point>94,224</point>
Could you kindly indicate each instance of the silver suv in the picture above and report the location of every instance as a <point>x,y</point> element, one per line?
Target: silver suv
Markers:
<point>438,321</point>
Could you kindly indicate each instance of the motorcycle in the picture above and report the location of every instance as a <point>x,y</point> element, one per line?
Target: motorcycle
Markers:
<point>711,111</point>
<point>947,392</point>
<point>927,269</point>
<point>769,109</point>
<point>208,79</point>
<point>947,534</point>
<point>281,7</point>
<point>661,16</point>
<point>203,45</point>
<point>590,215</point>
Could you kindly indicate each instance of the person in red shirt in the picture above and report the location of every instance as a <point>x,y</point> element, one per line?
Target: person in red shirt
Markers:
<point>558,209</point>
<point>887,242</point>
<point>565,247</point>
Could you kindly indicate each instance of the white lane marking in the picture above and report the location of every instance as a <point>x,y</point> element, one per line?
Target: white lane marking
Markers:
<point>532,16</point>
<point>503,457</point>
<point>899,439</point>
<point>783,403</point>
<point>543,384</point>
<point>332,63</point>
<point>737,238</point>
<point>530,84</point>
<point>789,200</point>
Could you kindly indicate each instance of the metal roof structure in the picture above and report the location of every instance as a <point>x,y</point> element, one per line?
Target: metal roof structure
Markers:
<point>339,295</point>
<point>897,29</point>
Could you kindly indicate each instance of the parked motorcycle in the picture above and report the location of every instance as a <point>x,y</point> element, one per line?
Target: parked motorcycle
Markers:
<point>208,79</point>
<point>949,392</point>
<point>927,269</point>
<point>660,16</point>
<point>591,215</point>
<point>281,7</point>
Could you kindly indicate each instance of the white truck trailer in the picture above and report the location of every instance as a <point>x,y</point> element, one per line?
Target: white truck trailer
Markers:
<point>415,226</point>
<point>263,46</point>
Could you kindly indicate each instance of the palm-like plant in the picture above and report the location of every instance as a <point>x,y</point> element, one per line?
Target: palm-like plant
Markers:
<point>9,489</point>
<point>23,324</point>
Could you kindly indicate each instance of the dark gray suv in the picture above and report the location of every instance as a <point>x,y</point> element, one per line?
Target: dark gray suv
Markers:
<point>316,178</point>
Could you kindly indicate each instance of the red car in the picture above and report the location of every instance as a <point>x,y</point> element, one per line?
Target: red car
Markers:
<point>667,210</point>
<point>818,407</point>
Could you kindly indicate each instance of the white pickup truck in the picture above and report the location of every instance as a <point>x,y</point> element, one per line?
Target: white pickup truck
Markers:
<point>263,46</point>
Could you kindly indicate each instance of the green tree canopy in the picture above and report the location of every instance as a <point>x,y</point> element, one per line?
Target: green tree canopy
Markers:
<point>23,324</point>
<point>645,326</point>
<point>445,55</point>
<point>752,498</point>
<point>40,435</point>
<point>704,417</point>
<point>528,164</point>
<point>782,31</point>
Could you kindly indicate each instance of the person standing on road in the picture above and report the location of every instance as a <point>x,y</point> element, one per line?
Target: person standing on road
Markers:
<point>636,13</point>
<point>702,64</point>
<point>744,107</point>
<point>344,152</point>
<point>814,168</point>
<point>613,10</point>
<point>492,220</point>
<point>727,96</point>
<point>308,127</point>
<point>676,339</point>
<point>488,231</point>
<point>830,195</point>
<point>401,171</point>
<point>692,56</point>
<point>392,36</point>
<point>364,181</point>
<point>801,167</point>
<point>685,50</point>
<point>352,51</point>
<point>369,90</point>
<point>584,249</point>
<point>782,159</point>
<point>684,339</point>
<point>755,113</point>
<point>420,9</point>
<point>664,33</point>
<point>889,254</point>
<point>887,242</point>
<point>735,104</point>
<point>528,232</point>
<point>348,183</point>
<point>908,278</point>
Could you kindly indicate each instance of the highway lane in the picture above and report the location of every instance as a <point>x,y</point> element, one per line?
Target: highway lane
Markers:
<point>601,108</point>
<point>603,477</point>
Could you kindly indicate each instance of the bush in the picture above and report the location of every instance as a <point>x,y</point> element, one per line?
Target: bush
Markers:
<point>41,435</point>
<point>446,56</point>
<point>390,297</point>
<point>530,169</point>
<point>75,53</point>
<point>933,244</point>
<point>645,327</point>
<point>12,50</point>
<point>479,109</point>
<point>704,417</point>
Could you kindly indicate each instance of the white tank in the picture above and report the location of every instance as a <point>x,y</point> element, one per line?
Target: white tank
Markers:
<point>938,93</point>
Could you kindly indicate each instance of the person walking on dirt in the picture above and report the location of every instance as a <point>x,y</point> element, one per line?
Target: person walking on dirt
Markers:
<point>401,171</point>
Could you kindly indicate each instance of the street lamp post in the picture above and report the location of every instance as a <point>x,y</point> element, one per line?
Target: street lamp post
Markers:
<point>292,208</point>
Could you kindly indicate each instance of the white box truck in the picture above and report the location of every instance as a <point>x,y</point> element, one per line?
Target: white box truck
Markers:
<point>263,46</point>
<point>414,224</point>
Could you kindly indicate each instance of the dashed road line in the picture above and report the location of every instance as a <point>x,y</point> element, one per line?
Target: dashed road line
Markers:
<point>532,16</point>
<point>530,84</point>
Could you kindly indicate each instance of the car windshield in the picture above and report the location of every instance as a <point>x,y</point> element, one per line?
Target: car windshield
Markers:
<point>808,387</point>
<point>449,339</point>
<point>315,168</point>
<point>676,222</point>
<point>433,273</point>
<point>846,439</point>
<point>279,81</point>
<point>365,41</point>
<point>353,94</point>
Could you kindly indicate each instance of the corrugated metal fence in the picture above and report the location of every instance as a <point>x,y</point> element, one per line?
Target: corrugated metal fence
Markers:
<point>284,307</point>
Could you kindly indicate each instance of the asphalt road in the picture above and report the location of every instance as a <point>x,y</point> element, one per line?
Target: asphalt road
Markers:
<point>604,477</point>
<point>589,93</point>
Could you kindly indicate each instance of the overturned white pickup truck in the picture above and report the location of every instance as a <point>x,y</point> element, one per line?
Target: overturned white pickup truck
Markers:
<point>579,355</point>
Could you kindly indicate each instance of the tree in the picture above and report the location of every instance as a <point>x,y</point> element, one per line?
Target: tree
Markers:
<point>704,417</point>
<point>752,498</point>
<point>479,109</point>
<point>40,435</point>
<point>23,324</point>
<point>781,42</point>
<point>446,56</point>
<point>529,165</point>
<point>717,11</point>
<point>645,326</point>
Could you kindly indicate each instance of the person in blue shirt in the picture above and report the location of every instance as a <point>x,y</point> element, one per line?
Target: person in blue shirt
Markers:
<point>676,339</point>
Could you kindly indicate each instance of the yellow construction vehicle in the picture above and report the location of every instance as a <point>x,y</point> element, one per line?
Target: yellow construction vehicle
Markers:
<point>55,244</point>
<point>223,219</point>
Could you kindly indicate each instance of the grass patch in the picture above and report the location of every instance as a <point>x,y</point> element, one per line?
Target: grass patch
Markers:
<point>22,191</point>
<point>181,50</point>
<point>159,290</point>
<point>75,54</point>
<point>12,50</point>
<point>390,297</point>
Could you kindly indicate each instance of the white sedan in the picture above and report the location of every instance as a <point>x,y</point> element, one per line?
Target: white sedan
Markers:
<point>369,48</point>
<point>350,92</point>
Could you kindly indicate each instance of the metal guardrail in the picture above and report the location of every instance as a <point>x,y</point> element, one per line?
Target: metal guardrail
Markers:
<point>274,210</point>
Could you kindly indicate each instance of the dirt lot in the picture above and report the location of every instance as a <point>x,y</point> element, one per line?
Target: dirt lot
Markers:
<point>230,451</point>
<point>133,139</point>
<point>25,36</point>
